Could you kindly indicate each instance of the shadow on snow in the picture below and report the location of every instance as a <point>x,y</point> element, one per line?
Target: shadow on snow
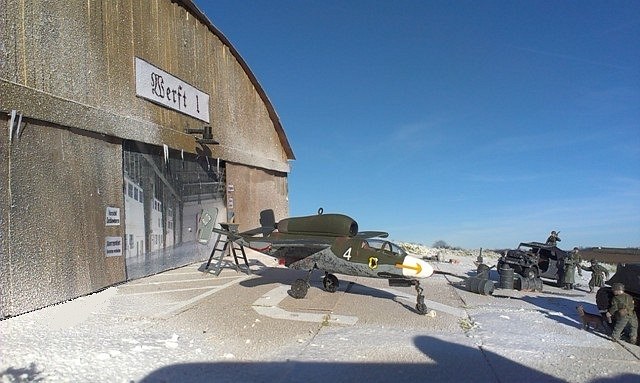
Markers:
<point>447,362</point>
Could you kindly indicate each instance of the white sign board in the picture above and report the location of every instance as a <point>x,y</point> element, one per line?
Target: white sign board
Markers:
<point>112,216</point>
<point>113,246</point>
<point>158,86</point>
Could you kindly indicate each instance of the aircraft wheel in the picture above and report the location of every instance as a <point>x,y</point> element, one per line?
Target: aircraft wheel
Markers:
<point>421,308</point>
<point>330,283</point>
<point>299,289</point>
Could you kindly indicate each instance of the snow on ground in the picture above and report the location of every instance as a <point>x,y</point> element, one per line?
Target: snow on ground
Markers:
<point>449,253</point>
<point>147,336</point>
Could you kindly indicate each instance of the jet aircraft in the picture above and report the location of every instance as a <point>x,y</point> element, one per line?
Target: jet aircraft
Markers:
<point>333,244</point>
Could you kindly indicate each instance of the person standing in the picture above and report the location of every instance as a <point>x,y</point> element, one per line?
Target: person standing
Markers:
<point>577,259</point>
<point>623,309</point>
<point>553,239</point>
<point>569,274</point>
<point>560,271</point>
<point>598,273</point>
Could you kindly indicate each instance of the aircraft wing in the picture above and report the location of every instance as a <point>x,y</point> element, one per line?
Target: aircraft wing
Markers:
<point>372,234</point>
<point>256,231</point>
<point>273,242</point>
<point>277,243</point>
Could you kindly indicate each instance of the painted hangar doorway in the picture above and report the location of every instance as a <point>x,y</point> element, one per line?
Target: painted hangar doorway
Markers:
<point>165,192</point>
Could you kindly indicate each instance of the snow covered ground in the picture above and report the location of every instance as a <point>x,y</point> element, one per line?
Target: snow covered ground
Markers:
<point>188,325</point>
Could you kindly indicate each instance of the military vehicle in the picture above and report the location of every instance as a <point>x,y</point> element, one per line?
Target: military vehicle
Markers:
<point>534,260</point>
<point>333,244</point>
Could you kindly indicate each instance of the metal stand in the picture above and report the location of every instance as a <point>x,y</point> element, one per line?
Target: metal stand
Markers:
<point>228,248</point>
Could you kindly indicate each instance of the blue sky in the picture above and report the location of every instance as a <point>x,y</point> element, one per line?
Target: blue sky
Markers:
<point>479,123</point>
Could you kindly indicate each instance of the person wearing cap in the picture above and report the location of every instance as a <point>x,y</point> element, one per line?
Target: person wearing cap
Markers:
<point>577,259</point>
<point>623,309</point>
<point>598,273</point>
<point>571,261</point>
<point>553,238</point>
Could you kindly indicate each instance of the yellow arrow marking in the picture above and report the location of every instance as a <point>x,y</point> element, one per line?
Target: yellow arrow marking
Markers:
<point>417,268</point>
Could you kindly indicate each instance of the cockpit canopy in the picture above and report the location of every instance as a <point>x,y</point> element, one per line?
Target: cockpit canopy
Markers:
<point>381,244</point>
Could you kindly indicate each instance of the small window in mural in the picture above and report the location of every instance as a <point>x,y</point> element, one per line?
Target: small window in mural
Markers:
<point>163,203</point>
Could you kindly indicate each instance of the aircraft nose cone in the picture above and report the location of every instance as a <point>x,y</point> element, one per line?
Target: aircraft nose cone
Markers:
<point>416,268</point>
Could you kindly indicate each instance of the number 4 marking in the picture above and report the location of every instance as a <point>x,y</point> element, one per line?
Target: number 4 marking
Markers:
<point>347,254</point>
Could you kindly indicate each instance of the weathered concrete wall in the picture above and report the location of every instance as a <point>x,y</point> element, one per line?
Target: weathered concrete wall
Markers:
<point>5,208</point>
<point>53,216</point>
<point>256,190</point>
<point>68,67</point>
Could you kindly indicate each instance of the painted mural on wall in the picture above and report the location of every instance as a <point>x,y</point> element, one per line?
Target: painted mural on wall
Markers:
<point>165,193</point>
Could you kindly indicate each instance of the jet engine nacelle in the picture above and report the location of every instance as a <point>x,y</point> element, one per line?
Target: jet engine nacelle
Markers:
<point>321,224</point>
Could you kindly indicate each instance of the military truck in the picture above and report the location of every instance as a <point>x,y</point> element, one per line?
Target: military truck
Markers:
<point>534,260</point>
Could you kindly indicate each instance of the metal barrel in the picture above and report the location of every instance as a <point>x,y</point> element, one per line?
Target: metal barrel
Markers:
<point>517,282</point>
<point>483,271</point>
<point>506,278</point>
<point>528,284</point>
<point>538,284</point>
<point>480,285</point>
<point>524,284</point>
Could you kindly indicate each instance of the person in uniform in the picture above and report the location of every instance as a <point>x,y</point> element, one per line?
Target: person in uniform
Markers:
<point>623,309</point>
<point>598,273</point>
<point>577,259</point>
<point>569,264</point>
<point>560,270</point>
<point>569,274</point>
<point>553,239</point>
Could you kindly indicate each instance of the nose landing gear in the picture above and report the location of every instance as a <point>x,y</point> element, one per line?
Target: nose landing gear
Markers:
<point>421,307</point>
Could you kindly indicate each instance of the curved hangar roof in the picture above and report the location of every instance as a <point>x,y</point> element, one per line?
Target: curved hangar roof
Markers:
<point>191,7</point>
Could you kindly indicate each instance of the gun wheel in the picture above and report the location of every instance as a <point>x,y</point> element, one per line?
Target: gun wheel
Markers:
<point>330,283</point>
<point>299,289</point>
<point>530,273</point>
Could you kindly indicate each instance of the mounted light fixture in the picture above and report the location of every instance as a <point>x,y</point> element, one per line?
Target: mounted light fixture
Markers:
<point>207,135</point>
<point>14,126</point>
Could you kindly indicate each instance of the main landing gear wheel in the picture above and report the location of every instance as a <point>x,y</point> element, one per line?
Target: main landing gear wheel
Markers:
<point>299,288</point>
<point>330,283</point>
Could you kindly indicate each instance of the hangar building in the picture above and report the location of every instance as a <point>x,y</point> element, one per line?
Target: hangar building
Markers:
<point>121,122</point>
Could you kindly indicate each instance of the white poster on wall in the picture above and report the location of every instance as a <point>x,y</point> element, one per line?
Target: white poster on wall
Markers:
<point>158,86</point>
<point>112,216</point>
<point>113,246</point>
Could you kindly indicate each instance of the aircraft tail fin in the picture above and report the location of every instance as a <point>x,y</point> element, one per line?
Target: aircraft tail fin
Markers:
<point>267,224</point>
<point>267,221</point>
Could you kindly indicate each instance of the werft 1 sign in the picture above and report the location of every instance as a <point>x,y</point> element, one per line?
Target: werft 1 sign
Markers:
<point>160,87</point>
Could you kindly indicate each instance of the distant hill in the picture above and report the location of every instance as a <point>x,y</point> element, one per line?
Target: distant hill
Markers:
<point>612,254</point>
